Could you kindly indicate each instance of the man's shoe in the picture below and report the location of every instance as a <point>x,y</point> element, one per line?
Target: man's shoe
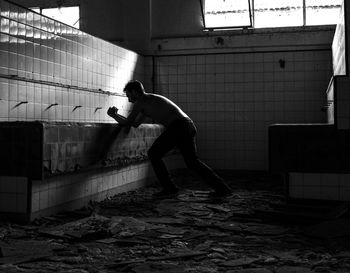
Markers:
<point>166,193</point>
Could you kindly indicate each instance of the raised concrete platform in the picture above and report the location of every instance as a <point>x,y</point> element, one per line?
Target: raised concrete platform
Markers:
<point>47,167</point>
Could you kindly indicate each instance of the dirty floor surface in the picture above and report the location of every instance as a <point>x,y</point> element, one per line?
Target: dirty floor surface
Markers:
<point>256,230</point>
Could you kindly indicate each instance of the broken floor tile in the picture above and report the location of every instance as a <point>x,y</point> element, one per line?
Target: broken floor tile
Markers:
<point>164,220</point>
<point>270,260</point>
<point>201,269</point>
<point>204,246</point>
<point>240,262</point>
<point>194,235</point>
<point>219,250</point>
<point>16,252</point>
<point>183,255</point>
<point>126,262</point>
<point>293,269</point>
<point>119,224</point>
<point>171,230</point>
<point>250,270</point>
<point>217,256</point>
<point>218,208</point>
<point>94,226</point>
<point>284,255</point>
<point>124,242</point>
<point>158,268</point>
<point>329,229</point>
<point>262,229</point>
<point>231,226</point>
<point>169,236</point>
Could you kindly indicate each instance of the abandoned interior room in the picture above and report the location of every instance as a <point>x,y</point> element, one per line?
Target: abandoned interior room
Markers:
<point>252,95</point>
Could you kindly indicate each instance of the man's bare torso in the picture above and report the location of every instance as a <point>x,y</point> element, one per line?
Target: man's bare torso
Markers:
<point>159,108</point>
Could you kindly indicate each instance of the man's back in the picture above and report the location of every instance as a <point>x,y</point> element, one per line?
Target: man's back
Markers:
<point>159,108</point>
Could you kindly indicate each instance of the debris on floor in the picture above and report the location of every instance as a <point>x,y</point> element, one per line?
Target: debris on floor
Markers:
<point>256,230</point>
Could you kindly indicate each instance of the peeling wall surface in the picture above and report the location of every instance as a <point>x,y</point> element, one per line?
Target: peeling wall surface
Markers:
<point>73,147</point>
<point>38,150</point>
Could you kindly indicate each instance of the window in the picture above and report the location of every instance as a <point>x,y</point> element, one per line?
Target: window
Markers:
<point>67,15</point>
<point>319,12</point>
<point>219,14</point>
<point>278,13</point>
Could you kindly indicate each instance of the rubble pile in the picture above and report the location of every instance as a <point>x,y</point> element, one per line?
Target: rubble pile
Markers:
<point>256,230</point>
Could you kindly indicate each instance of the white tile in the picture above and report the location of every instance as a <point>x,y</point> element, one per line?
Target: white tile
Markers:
<point>329,180</point>
<point>43,199</point>
<point>8,202</point>
<point>8,184</point>
<point>21,203</point>
<point>312,179</point>
<point>35,201</point>
<point>52,197</point>
<point>312,192</point>
<point>21,185</point>
<point>296,192</point>
<point>344,180</point>
<point>344,193</point>
<point>330,193</point>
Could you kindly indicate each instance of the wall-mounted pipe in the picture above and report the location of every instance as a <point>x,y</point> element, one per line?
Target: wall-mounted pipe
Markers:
<point>76,107</point>
<point>97,108</point>
<point>20,103</point>
<point>51,105</point>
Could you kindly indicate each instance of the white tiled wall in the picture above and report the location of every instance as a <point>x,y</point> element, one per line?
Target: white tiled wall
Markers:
<point>57,192</point>
<point>52,72</point>
<point>60,190</point>
<point>29,101</point>
<point>13,194</point>
<point>342,96</point>
<point>234,97</point>
<point>325,186</point>
<point>45,63</point>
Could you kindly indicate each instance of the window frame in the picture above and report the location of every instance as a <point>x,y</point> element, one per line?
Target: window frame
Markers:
<point>251,17</point>
<point>250,6</point>
<point>40,9</point>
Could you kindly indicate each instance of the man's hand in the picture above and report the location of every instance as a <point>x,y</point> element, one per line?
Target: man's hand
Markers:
<point>112,111</point>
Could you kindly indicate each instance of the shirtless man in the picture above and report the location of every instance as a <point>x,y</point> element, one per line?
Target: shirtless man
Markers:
<point>180,131</point>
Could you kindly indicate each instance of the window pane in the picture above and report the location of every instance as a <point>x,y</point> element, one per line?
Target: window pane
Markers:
<point>36,10</point>
<point>278,13</point>
<point>322,12</point>
<point>226,13</point>
<point>67,15</point>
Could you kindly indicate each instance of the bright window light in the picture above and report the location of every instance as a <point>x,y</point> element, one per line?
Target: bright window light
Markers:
<point>227,13</point>
<point>67,15</point>
<point>220,14</point>
<point>278,13</point>
<point>36,10</point>
<point>320,12</point>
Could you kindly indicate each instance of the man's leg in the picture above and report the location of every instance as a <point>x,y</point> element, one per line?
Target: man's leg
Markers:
<point>187,146</point>
<point>162,145</point>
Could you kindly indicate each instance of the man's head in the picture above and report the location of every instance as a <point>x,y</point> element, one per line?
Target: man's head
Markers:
<point>133,90</point>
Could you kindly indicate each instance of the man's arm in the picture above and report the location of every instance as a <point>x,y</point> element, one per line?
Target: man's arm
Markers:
<point>131,120</point>
<point>139,120</point>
